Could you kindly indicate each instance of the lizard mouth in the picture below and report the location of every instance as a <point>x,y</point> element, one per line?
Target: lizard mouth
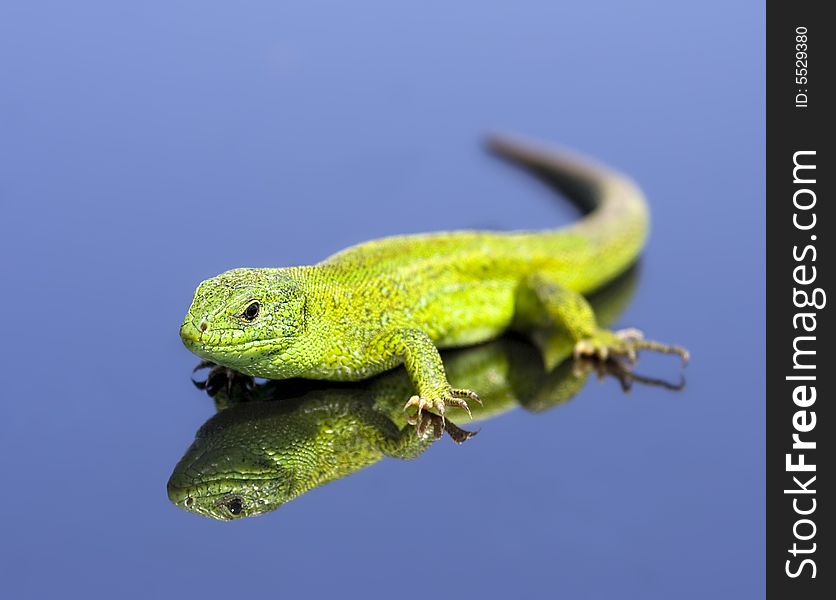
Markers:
<point>224,346</point>
<point>199,341</point>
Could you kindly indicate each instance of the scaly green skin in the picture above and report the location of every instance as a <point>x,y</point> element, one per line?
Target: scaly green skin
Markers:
<point>397,300</point>
<point>255,456</point>
<point>267,453</point>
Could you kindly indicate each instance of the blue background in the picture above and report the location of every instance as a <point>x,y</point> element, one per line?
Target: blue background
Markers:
<point>146,146</point>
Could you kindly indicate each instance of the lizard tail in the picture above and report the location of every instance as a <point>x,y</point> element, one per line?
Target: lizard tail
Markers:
<point>616,220</point>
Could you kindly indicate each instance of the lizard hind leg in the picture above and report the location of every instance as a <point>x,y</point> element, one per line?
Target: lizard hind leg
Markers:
<point>541,295</point>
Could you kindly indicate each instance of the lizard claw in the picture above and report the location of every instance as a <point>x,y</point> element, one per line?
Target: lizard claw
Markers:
<point>459,397</point>
<point>222,380</point>
<point>623,373</point>
<point>420,402</point>
<point>432,426</point>
<point>450,397</point>
<point>624,344</point>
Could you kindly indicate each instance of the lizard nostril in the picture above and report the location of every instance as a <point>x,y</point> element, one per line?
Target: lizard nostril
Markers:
<point>203,326</point>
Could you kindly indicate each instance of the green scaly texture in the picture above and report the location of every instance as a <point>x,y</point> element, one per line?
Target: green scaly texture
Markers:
<point>271,445</point>
<point>398,300</point>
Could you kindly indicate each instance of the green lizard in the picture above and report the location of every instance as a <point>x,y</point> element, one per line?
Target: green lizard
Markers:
<point>397,300</point>
<point>275,442</point>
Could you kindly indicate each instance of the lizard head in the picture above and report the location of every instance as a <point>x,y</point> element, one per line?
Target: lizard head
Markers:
<point>228,482</point>
<point>246,319</point>
<point>255,456</point>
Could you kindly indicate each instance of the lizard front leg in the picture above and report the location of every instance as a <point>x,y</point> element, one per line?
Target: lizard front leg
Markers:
<point>423,364</point>
<point>569,309</point>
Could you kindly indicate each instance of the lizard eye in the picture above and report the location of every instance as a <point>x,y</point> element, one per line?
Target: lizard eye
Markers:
<point>251,312</point>
<point>235,505</point>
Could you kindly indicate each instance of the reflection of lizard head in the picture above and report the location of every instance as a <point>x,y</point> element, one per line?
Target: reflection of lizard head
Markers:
<point>246,319</point>
<point>254,457</point>
<point>227,481</point>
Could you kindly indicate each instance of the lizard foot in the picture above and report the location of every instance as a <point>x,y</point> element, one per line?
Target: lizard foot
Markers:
<point>622,373</point>
<point>222,379</point>
<point>623,344</point>
<point>440,402</point>
<point>429,425</point>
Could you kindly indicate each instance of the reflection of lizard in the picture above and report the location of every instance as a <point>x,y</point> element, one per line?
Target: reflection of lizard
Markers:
<point>396,300</point>
<point>290,437</point>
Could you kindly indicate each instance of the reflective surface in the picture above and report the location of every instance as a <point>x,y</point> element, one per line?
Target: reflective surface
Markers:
<point>148,146</point>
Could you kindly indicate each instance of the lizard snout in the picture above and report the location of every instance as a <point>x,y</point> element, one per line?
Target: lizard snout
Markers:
<point>191,333</point>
